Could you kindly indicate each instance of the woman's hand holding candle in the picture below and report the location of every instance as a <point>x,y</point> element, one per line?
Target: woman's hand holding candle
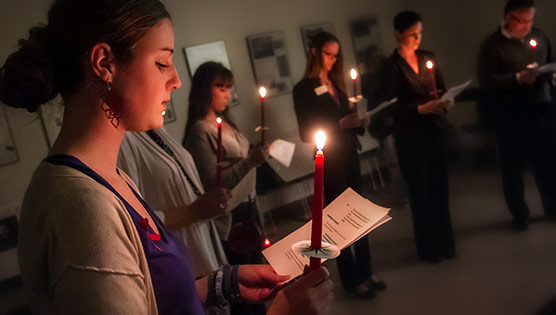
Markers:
<point>257,155</point>
<point>350,121</point>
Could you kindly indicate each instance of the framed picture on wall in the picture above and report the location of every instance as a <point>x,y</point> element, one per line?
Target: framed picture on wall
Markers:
<point>8,151</point>
<point>215,51</point>
<point>169,113</point>
<point>270,62</point>
<point>309,31</point>
<point>8,233</point>
<point>367,44</point>
<point>9,226</point>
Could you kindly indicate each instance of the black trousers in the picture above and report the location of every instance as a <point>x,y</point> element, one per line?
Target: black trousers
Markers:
<point>527,138</point>
<point>342,170</point>
<point>422,158</point>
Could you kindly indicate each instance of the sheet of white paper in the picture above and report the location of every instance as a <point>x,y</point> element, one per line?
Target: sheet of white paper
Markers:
<point>348,218</point>
<point>380,107</point>
<point>455,91</point>
<point>547,68</point>
<point>241,191</point>
<point>282,151</point>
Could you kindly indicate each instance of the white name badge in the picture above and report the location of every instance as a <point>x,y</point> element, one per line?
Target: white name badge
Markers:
<point>321,90</point>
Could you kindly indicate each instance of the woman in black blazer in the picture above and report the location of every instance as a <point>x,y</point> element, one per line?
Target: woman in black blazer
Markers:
<point>420,131</point>
<point>321,103</point>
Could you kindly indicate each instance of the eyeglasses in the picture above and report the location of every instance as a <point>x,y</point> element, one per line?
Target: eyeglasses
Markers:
<point>520,21</point>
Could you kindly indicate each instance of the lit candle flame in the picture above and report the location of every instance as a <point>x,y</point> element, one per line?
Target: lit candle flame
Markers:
<point>218,120</point>
<point>262,92</point>
<point>320,139</point>
<point>533,43</point>
<point>429,65</point>
<point>353,74</point>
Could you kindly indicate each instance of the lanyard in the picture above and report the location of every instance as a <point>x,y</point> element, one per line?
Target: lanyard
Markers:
<point>158,140</point>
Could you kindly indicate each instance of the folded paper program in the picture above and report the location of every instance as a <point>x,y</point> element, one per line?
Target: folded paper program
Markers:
<point>345,220</point>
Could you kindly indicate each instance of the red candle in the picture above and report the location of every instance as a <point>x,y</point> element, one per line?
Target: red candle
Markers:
<point>533,43</point>
<point>353,74</point>
<point>318,200</point>
<point>219,154</point>
<point>262,93</point>
<point>430,66</point>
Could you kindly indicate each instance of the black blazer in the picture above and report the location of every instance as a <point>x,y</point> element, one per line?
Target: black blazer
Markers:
<point>397,79</point>
<point>316,112</point>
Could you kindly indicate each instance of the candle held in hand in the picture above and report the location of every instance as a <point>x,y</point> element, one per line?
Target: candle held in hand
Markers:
<point>353,75</point>
<point>318,199</point>
<point>219,153</point>
<point>262,93</point>
<point>430,66</point>
<point>533,43</point>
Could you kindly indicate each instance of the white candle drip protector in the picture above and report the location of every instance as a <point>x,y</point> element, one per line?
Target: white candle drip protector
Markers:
<point>327,250</point>
<point>259,128</point>
<point>533,65</point>
<point>355,99</point>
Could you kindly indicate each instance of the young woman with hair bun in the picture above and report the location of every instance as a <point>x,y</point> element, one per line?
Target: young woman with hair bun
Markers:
<point>88,243</point>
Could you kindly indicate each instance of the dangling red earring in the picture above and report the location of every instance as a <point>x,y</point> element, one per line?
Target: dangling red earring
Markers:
<point>109,112</point>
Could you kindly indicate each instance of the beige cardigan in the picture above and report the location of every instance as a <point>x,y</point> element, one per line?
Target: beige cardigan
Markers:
<point>79,251</point>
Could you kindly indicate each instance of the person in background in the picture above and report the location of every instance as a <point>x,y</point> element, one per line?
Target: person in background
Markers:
<point>88,242</point>
<point>321,103</point>
<point>239,230</point>
<point>208,99</point>
<point>420,132</point>
<point>519,109</point>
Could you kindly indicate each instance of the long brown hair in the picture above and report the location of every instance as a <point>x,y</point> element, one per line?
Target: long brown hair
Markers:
<point>314,60</point>
<point>206,76</point>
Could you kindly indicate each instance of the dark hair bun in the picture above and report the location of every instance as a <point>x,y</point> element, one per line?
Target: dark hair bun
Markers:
<point>405,20</point>
<point>27,77</point>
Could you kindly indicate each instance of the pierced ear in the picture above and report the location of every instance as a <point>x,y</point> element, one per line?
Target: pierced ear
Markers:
<point>102,61</point>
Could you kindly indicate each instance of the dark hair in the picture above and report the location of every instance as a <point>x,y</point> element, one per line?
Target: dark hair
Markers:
<point>208,74</point>
<point>51,60</point>
<point>405,20</point>
<point>314,60</point>
<point>512,5</point>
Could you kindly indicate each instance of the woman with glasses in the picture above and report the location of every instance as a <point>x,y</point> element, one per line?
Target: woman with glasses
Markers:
<point>321,103</point>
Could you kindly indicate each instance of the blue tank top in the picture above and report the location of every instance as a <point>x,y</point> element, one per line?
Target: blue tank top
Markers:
<point>172,278</point>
